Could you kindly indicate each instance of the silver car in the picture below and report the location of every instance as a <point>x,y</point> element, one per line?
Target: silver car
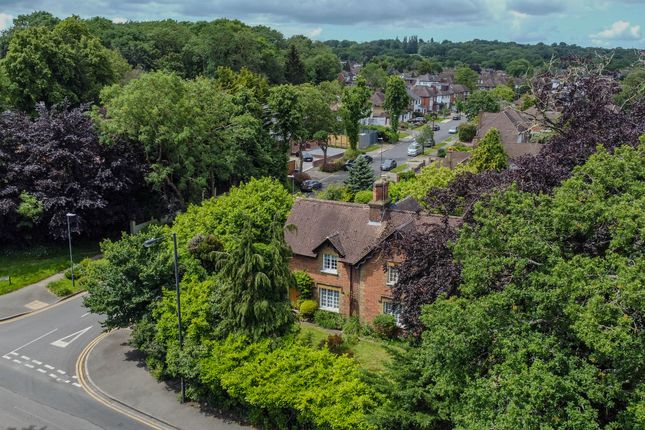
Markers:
<point>414,149</point>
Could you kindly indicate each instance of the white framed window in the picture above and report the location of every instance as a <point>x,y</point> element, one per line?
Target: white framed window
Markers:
<point>392,275</point>
<point>390,308</point>
<point>329,300</point>
<point>330,264</point>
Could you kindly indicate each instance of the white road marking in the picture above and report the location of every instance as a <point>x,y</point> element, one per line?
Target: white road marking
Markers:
<point>42,370</point>
<point>7,357</point>
<point>31,366</point>
<point>76,385</point>
<point>17,361</point>
<point>24,357</point>
<point>49,367</point>
<point>53,376</point>
<point>62,342</point>
<point>62,372</point>
<point>35,340</point>
<point>74,377</point>
<point>85,314</point>
<point>67,381</point>
<point>37,362</point>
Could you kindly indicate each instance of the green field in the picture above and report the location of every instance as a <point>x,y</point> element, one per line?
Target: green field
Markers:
<point>34,264</point>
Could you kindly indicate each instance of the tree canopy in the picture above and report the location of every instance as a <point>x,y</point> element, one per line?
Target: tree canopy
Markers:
<point>396,100</point>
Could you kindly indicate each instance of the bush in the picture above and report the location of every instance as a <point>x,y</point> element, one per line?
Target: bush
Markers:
<point>408,174</point>
<point>307,309</point>
<point>364,196</point>
<point>441,153</point>
<point>79,269</point>
<point>333,166</point>
<point>304,283</point>
<point>467,132</point>
<point>335,344</point>
<point>300,177</point>
<point>336,192</point>
<point>385,326</point>
<point>352,327</point>
<point>328,320</point>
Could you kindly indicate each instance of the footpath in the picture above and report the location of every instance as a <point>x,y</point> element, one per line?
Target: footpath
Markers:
<point>113,373</point>
<point>28,299</point>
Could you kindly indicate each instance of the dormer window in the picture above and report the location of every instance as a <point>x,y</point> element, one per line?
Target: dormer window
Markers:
<point>392,275</point>
<point>330,264</point>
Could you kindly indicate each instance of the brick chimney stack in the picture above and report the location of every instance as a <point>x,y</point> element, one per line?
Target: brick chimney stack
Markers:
<point>380,201</point>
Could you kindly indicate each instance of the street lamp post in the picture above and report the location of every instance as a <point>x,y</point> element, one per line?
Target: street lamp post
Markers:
<point>69,240</point>
<point>148,243</point>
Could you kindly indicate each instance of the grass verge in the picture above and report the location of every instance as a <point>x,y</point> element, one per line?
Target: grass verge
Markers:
<point>400,168</point>
<point>27,266</point>
<point>63,287</point>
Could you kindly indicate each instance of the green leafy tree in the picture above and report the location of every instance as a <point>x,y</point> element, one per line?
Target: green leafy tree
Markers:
<point>58,64</point>
<point>427,66</point>
<point>545,318</point>
<point>519,67</point>
<point>322,67</point>
<point>361,176</point>
<point>480,101</point>
<point>374,75</point>
<point>489,153</point>
<point>355,106</point>
<point>294,68</point>
<point>256,281</point>
<point>633,86</point>
<point>426,137</point>
<point>129,278</point>
<point>464,75</point>
<point>397,100</point>
<point>503,93</point>
<point>467,132</point>
<point>193,135</point>
<point>284,105</point>
<point>430,177</point>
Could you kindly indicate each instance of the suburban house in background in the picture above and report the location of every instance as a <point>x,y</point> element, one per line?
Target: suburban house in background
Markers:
<point>338,245</point>
<point>517,129</point>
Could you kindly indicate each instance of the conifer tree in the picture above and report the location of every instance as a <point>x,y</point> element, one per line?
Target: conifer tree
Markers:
<point>489,154</point>
<point>294,68</point>
<point>361,176</point>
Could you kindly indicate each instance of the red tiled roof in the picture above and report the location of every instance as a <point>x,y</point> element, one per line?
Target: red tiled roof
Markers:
<point>346,227</point>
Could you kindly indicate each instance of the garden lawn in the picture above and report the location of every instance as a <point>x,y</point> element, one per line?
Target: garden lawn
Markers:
<point>34,264</point>
<point>370,353</point>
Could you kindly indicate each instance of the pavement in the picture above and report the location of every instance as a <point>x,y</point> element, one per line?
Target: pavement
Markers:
<point>117,373</point>
<point>27,299</point>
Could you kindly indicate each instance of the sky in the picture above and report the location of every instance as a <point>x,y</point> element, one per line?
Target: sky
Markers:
<point>603,23</point>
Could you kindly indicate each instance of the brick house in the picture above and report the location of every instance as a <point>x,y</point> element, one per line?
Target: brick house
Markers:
<point>337,244</point>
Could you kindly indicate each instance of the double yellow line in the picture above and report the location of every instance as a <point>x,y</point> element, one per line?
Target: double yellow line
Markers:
<point>95,393</point>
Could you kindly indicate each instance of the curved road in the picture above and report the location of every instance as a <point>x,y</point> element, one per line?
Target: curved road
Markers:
<point>38,385</point>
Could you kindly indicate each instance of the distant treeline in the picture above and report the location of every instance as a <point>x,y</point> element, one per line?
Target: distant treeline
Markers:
<point>402,54</point>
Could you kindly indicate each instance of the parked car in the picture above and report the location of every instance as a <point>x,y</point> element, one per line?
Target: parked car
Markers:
<point>307,156</point>
<point>310,185</point>
<point>417,121</point>
<point>456,116</point>
<point>350,163</point>
<point>452,131</point>
<point>414,149</point>
<point>388,164</point>
<point>436,127</point>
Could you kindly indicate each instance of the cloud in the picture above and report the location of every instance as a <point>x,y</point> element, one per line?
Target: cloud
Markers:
<point>315,32</point>
<point>619,30</point>
<point>536,7</point>
<point>5,20</point>
<point>119,20</point>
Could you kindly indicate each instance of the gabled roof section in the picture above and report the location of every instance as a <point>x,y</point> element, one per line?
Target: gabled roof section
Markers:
<point>346,227</point>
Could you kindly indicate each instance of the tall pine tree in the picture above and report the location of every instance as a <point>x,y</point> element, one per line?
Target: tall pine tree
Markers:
<point>294,68</point>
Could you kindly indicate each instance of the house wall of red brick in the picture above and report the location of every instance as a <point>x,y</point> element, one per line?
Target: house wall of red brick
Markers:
<point>369,284</point>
